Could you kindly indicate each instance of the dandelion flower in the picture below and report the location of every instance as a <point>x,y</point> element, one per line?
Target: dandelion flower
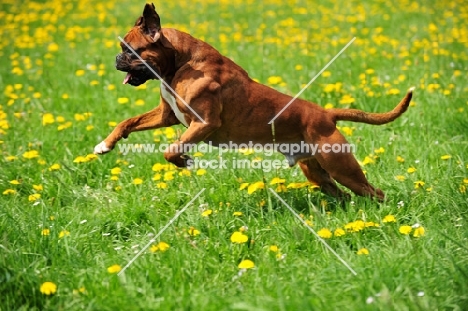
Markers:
<point>243,185</point>
<point>446,157</point>
<point>363,251</point>
<point>411,170</point>
<point>137,181</point>
<point>405,229</point>
<point>339,232</point>
<point>31,154</point>
<point>201,172</point>
<point>123,100</point>
<point>418,184</point>
<point>34,197</point>
<point>116,171</point>
<point>114,269</point>
<point>161,246</point>
<point>207,213</point>
<point>237,214</point>
<point>255,186</point>
<point>239,238</point>
<point>54,167</point>
<point>246,264</point>
<point>161,185</point>
<point>400,159</point>
<point>80,159</point>
<point>325,233</point>
<point>400,177</point>
<point>64,233</point>
<point>419,232</point>
<point>45,231</point>
<point>193,232</point>
<point>9,191</point>
<point>48,288</point>
<point>277,180</point>
<point>389,218</point>
<point>274,248</point>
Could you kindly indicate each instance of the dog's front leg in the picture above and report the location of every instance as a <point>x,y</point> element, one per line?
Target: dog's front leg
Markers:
<point>196,133</point>
<point>161,116</point>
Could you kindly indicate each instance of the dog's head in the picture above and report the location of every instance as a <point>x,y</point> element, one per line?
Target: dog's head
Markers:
<point>145,53</point>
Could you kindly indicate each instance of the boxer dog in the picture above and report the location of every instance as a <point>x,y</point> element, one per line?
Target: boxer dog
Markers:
<point>217,101</point>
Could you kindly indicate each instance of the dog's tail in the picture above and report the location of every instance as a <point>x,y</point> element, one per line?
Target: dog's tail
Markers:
<point>356,115</point>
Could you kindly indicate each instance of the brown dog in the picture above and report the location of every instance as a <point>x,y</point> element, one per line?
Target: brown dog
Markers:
<point>218,103</point>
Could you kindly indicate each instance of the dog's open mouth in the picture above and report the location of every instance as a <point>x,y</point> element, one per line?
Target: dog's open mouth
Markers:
<point>136,78</point>
<point>127,78</point>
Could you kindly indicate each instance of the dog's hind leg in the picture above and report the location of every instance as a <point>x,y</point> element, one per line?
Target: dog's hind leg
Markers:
<point>343,167</point>
<point>317,175</point>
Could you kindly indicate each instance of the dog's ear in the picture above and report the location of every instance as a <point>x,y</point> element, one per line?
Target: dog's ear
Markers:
<point>150,22</point>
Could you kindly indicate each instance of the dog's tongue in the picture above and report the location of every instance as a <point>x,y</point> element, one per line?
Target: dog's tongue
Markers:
<point>127,78</point>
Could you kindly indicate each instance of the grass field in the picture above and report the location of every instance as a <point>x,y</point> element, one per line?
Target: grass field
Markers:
<point>69,221</point>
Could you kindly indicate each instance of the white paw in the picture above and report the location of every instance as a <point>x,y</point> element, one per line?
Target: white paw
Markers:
<point>101,148</point>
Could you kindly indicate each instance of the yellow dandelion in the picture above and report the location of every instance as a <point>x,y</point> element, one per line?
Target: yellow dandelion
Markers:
<point>325,233</point>
<point>400,177</point>
<point>48,288</point>
<point>207,213</point>
<point>277,180</point>
<point>400,159</point>
<point>339,232</point>
<point>380,150</point>
<point>137,181</point>
<point>201,172</point>
<point>255,186</point>
<point>446,157</point>
<point>161,185</point>
<point>368,160</point>
<point>405,229</point>
<point>246,264</point>
<point>243,185</point>
<point>9,191</point>
<point>31,154</point>
<point>64,233</point>
<point>54,167</point>
<point>347,100</point>
<point>15,182</point>
<point>274,248</point>
<point>38,187</point>
<point>116,171</point>
<point>123,100</point>
<point>393,91</point>
<point>363,251</point>
<point>411,170</point>
<point>193,232</point>
<point>139,102</point>
<point>34,197</point>
<point>45,231</point>
<point>161,246</point>
<point>11,158</point>
<point>239,238</point>
<point>419,232</point>
<point>274,80</point>
<point>237,214</point>
<point>47,118</point>
<point>114,269</point>
<point>418,184</point>
<point>389,218</point>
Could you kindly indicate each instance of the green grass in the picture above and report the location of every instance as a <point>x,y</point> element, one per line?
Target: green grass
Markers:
<point>108,221</point>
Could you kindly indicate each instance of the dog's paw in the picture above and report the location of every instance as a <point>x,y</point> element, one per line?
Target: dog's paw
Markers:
<point>101,148</point>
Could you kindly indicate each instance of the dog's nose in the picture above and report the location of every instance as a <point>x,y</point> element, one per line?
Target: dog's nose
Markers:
<point>118,59</point>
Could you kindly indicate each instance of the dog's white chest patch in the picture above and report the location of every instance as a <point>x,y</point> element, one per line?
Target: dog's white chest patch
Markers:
<point>170,99</point>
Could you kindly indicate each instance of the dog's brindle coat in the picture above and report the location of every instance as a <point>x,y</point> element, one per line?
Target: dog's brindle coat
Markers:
<point>235,108</point>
